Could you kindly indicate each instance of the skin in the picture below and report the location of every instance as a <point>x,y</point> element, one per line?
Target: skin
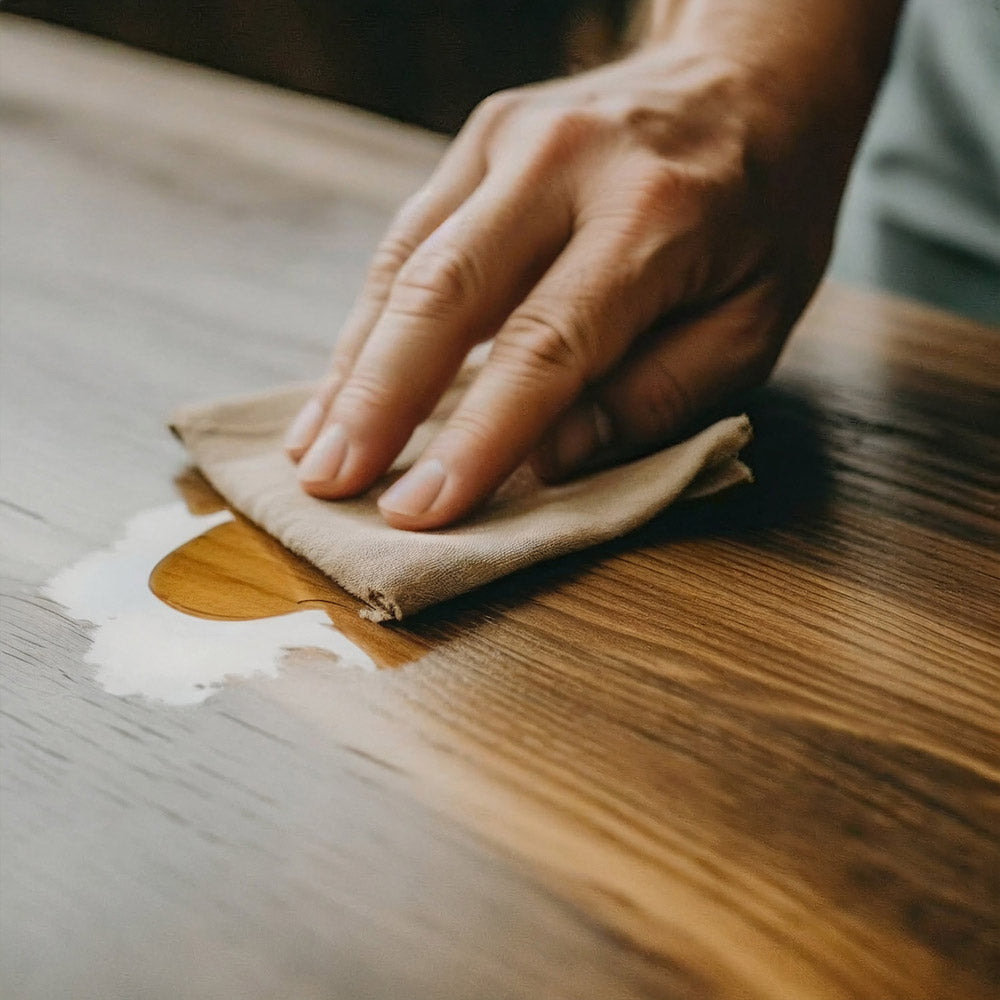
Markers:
<point>638,241</point>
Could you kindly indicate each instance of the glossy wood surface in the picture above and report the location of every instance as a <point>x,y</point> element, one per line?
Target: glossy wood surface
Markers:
<point>751,752</point>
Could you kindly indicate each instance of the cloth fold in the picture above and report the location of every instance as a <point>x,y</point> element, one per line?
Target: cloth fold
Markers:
<point>237,443</point>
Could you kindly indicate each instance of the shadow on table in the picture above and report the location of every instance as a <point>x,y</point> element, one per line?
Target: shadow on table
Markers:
<point>792,484</point>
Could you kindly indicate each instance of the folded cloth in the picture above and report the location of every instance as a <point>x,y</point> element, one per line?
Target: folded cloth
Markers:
<point>237,443</point>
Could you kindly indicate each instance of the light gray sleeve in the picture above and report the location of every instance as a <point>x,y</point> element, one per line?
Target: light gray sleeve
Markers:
<point>922,212</point>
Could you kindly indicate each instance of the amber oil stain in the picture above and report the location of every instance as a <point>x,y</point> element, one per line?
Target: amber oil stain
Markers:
<point>237,572</point>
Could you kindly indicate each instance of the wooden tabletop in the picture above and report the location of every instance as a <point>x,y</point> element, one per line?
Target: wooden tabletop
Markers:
<point>751,752</point>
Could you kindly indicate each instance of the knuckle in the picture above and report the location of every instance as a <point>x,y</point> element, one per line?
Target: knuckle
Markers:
<point>571,123</point>
<point>538,345</point>
<point>495,108</point>
<point>411,213</point>
<point>660,403</point>
<point>683,195</point>
<point>363,393</point>
<point>336,375</point>
<point>434,284</point>
<point>661,186</point>
<point>467,425</point>
<point>564,133</point>
<point>646,121</point>
<point>390,256</point>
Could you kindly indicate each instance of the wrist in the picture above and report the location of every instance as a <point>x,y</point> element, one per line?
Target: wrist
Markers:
<point>805,61</point>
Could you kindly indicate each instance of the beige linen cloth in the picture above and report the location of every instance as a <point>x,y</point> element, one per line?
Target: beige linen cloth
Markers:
<point>237,443</point>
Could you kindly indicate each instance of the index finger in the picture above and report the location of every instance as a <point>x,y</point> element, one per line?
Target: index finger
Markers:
<point>456,177</point>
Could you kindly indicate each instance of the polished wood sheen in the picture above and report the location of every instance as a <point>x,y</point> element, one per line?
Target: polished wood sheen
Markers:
<point>752,751</point>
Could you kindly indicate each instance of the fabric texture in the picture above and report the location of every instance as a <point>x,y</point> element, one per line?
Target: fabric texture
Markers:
<point>237,443</point>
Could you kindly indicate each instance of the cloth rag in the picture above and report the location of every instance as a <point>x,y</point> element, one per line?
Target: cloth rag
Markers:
<point>238,444</point>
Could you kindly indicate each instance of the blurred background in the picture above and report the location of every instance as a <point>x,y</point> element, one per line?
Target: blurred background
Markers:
<point>921,216</point>
<point>423,61</point>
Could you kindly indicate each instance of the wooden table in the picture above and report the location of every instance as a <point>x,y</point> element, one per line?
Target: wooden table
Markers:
<point>751,752</point>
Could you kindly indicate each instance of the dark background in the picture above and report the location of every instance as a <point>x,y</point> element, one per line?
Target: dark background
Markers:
<point>423,61</point>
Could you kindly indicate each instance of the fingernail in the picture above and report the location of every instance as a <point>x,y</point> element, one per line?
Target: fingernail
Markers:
<point>303,428</point>
<point>416,491</point>
<point>323,460</point>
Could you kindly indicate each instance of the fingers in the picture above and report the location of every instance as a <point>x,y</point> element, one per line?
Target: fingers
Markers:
<point>662,385</point>
<point>454,290</point>
<point>461,170</point>
<point>573,326</point>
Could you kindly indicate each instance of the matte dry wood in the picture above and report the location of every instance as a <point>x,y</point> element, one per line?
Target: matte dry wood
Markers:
<point>751,752</point>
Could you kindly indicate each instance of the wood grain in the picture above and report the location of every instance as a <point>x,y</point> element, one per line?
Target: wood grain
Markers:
<point>750,752</point>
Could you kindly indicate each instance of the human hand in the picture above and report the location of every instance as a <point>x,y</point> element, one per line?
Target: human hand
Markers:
<point>638,241</point>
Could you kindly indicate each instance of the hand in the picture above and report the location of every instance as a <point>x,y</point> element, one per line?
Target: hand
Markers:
<point>638,241</point>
